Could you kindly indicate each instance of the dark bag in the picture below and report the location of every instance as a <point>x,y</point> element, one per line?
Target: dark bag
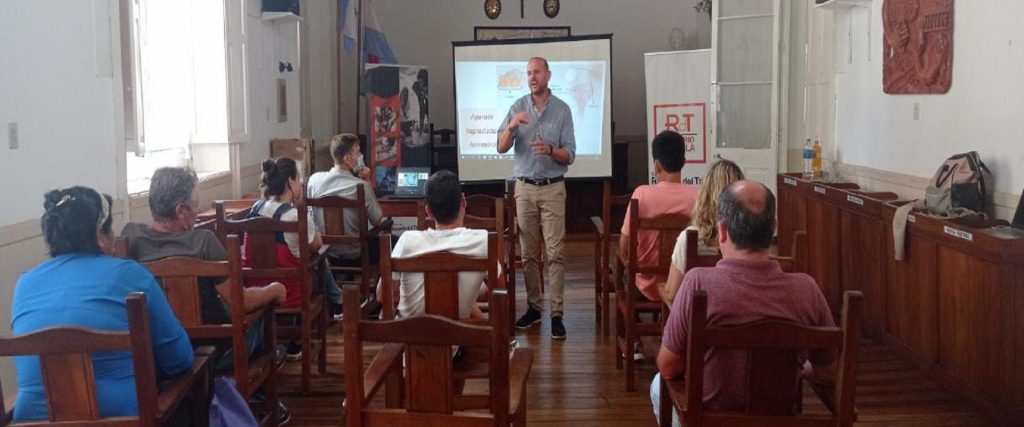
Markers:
<point>962,182</point>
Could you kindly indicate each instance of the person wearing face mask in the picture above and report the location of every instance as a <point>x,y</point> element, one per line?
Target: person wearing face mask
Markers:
<point>342,180</point>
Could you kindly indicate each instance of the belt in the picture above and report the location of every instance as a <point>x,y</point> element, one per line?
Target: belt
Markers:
<point>542,181</point>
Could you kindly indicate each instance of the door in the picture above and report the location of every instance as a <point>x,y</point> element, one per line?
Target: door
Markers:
<point>745,85</point>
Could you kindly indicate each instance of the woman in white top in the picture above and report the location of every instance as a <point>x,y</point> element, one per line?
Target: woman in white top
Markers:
<point>705,220</point>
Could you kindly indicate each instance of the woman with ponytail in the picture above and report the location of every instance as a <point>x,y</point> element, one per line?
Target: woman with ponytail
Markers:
<point>281,188</point>
<point>81,285</point>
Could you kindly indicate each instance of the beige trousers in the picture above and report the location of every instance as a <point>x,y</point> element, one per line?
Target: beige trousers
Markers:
<point>541,213</point>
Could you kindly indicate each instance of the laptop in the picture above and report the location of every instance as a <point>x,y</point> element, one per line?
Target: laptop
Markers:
<point>1016,228</point>
<point>412,182</point>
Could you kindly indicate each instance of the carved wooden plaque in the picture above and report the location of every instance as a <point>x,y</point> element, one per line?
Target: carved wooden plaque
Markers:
<point>917,46</point>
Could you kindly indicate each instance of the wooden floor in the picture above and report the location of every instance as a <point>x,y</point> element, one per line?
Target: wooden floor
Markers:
<point>575,383</point>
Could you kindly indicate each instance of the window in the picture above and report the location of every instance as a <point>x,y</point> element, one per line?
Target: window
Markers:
<point>183,61</point>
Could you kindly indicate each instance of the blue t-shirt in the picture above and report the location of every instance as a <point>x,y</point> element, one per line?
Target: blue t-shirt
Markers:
<point>90,290</point>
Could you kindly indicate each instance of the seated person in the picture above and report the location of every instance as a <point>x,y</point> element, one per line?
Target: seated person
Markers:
<point>705,221</point>
<point>668,196</point>
<point>81,285</point>
<point>174,207</point>
<point>342,180</point>
<point>745,286</point>
<point>447,205</point>
<point>280,187</point>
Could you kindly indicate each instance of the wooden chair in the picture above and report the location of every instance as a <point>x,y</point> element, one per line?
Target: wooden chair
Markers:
<point>516,253</point>
<point>425,343</point>
<point>774,385</point>
<point>605,231</point>
<point>440,276</point>
<point>334,233</point>
<point>65,359</point>
<point>628,329</point>
<point>488,213</point>
<point>179,277</point>
<point>261,233</point>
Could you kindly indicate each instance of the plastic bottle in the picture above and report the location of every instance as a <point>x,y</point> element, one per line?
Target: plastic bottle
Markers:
<point>816,164</point>
<point>808,160</point>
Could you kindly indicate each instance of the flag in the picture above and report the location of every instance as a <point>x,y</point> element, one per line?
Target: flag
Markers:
<point>375,45</point>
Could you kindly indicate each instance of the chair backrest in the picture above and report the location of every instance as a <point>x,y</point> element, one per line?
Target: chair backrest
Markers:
<point>694,258</point>
<point>613,209</point>
<point>431,395</point>
<point>667,227</point>
<point>796,263</point>
<point>334,209</point>
<point>261,234</point>
<point>440,276</point>
<point>773,372</point>
<point>233,209</point>
<point>65,360</point>
<point>180,277</point>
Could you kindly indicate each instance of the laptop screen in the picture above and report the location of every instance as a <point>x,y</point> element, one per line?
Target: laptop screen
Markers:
<point>412,182</point>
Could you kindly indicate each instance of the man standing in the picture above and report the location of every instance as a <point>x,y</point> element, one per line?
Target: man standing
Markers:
<point>539,126</point>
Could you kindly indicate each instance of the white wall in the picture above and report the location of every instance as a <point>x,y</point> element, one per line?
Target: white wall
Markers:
<point>59,87</point>
<point>270,42</point>
<point>60,81</point>
<point>421,32</point>
<point>980,112</point>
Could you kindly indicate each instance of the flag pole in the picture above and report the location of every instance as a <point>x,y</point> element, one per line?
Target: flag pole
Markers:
<point>359,62</point>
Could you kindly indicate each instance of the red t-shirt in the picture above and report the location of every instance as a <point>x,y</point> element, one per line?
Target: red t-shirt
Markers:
<point>653,200</point>
<point>739,292</point>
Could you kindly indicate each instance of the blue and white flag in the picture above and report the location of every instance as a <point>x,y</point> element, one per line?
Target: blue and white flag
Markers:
<point>375,45</point>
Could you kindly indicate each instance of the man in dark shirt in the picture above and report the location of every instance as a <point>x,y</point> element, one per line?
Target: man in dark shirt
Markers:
<point>174,210</point>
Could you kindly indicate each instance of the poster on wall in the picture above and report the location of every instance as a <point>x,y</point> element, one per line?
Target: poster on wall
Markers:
<point>678,93</point>
<point>398,115</point>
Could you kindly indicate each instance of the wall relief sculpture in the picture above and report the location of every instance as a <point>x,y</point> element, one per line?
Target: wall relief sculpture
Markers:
<point>917,49</point>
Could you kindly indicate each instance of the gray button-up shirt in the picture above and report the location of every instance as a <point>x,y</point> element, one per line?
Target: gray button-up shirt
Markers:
<point>554,126</point>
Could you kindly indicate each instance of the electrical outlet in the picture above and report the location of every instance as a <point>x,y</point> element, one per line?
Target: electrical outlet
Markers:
<point>12,135</point>
<point>917,111</point>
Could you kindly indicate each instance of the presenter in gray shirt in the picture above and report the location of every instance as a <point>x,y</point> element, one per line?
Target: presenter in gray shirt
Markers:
<point>539,128</point>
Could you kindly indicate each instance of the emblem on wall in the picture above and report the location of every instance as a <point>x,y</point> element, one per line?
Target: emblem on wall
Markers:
<point>917,46</point>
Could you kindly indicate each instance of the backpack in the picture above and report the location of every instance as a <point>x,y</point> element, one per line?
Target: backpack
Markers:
<point>962,182</point>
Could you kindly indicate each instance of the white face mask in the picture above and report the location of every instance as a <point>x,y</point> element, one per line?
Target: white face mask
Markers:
<point>359,166</point>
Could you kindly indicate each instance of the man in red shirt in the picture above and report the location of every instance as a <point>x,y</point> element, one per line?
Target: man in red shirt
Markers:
<point>745,286</point>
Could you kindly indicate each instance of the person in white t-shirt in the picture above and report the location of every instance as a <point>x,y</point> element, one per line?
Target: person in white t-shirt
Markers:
<point>447,206</point>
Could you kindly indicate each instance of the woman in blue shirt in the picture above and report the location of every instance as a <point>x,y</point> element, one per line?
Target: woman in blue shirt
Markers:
<point>81,285</point>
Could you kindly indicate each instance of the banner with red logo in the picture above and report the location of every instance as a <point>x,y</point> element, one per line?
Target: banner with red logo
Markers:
<point>678,95</point>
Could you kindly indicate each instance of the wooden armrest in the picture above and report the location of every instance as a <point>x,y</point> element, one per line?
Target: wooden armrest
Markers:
<point>598,224</point>
<point>518,374</point>
<point>388,358</point>
<point>676,389</point>
<point>384,227</point>
<point>175,389</point>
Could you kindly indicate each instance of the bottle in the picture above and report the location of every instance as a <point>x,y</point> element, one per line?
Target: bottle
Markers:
<point>816,164</point>
<point>808,159</point>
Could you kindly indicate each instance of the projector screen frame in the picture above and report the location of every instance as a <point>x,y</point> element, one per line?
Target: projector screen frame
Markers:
<point>611,94</point>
